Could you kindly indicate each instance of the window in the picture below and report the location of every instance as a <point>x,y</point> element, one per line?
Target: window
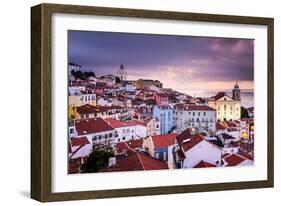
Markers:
<point>100,137</point>
<point>71,131</point>
<point>110,134</point>
<point>164,156</point>
<point>105,136</point>
<point>224,107</point>
<point>94,138</point>
<point>157,155</point>
<point>198,113</point>
<point>123,138</point>
<point>128,130</point>
<point>204,113</point>
<point>193,114</point>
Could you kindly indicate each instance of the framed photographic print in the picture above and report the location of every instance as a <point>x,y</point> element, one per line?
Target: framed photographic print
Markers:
<point>132,102</point>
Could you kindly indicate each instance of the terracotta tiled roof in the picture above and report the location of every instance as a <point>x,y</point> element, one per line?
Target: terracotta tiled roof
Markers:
<point>129,145</point>
<point>194,140</point>
<point>183,136</point>
<point>117,123</point>
<point>78,141</point>
<point>220,126</point>
<point>203,164</point>
<point>137,161</point>
<point>138,122</point>
<point>135,143</point>
<point>200,108</point>
<point>163,141</point>
<point>92,125</point>
<point>234,159</point>
<point>90,109</point>
<point>121,147</point>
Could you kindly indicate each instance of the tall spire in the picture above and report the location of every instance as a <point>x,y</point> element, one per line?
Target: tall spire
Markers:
<point>236,92</point>
<point>236,86</point>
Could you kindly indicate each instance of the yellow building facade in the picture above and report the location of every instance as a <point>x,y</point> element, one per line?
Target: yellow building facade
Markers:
<point>228,108</point>
<point>77,101</point>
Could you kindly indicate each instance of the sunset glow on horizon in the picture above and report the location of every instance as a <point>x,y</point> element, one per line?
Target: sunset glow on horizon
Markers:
<point>182,63</point>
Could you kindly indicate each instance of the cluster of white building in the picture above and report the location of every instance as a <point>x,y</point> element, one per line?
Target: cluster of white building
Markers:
<point>167,128</point>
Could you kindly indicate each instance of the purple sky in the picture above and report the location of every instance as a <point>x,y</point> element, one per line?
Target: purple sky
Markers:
<point>180,62</point>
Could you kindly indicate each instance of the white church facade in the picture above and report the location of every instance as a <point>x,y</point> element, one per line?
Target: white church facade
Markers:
<point>122,74</point>
<point>228,108</point>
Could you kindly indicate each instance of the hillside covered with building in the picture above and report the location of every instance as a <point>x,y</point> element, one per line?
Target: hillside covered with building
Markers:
<point>118,124</point>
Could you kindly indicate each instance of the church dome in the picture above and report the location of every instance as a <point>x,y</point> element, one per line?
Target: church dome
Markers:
<point>122,74</point>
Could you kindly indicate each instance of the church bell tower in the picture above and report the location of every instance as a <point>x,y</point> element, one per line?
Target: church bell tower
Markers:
<point>236,92</point>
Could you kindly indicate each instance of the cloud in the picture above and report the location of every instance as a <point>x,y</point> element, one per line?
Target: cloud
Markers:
<point>182,60</point>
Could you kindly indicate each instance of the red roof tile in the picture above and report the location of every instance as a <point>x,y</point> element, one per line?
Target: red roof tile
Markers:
<point>135,143</point>
<point>220,126</point>
<point>234,159</point>
<point>90,109</point>
<point>194,140</point>
<point>117,123</point>
<point>200,108</point>
<point>129,145</point>
<point>163,141</point>
<point>92,125</point>
<point>78,141</point>
<point>138,122</point>
<point>203,164</point>
<point>183,136</point>
<point>137,161</point>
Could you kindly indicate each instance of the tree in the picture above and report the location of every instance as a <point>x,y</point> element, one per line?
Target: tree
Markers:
<point>96,160</point>
<point>118,80</point>
<point>82,75</point>
<point>244,113</point>
<point>91,74</point>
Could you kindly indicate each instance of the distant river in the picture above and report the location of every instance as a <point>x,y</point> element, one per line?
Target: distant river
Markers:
<point>247,97</point>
